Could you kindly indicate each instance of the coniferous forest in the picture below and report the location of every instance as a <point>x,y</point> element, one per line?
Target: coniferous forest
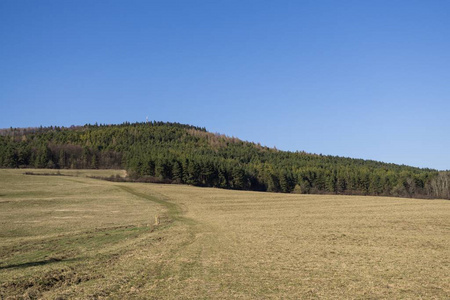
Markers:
<point>184,154</point>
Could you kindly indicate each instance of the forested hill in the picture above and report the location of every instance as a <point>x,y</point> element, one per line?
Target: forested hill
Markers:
<point>172,152</point>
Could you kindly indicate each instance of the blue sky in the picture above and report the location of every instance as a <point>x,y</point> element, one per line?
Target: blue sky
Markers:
<point>363,79</point>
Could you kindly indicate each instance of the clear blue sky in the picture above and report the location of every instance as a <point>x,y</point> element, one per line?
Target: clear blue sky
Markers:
<point>363,79</point>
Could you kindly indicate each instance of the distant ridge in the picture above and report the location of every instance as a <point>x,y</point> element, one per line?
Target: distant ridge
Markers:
<point>180,153</point>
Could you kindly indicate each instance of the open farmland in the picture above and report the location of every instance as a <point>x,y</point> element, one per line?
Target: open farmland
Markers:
<point>76,237</point>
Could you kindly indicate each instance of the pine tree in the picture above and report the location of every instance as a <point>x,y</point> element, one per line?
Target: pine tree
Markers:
<point>177,172</point>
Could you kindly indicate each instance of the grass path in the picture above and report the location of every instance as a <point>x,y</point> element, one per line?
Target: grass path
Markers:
<point>174,212</point>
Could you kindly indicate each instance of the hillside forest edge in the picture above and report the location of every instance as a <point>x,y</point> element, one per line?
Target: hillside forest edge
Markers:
<point>184,154</point>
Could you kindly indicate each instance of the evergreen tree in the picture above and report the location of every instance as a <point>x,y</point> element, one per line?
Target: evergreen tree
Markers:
<point>177,172</point>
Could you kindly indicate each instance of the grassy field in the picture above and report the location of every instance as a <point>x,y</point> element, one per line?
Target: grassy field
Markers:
<point>69,237</point>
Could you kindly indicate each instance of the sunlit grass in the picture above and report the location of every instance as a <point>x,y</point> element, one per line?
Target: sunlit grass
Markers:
<point>76,237</point>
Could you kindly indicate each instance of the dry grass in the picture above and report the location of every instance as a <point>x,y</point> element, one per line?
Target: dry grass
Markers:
<point>62,237</point>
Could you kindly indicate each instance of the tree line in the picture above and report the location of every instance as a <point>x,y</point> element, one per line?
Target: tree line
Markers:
<point>178,153</point>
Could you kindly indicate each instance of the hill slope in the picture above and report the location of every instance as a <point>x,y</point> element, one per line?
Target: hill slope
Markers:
<point>172,152</point>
